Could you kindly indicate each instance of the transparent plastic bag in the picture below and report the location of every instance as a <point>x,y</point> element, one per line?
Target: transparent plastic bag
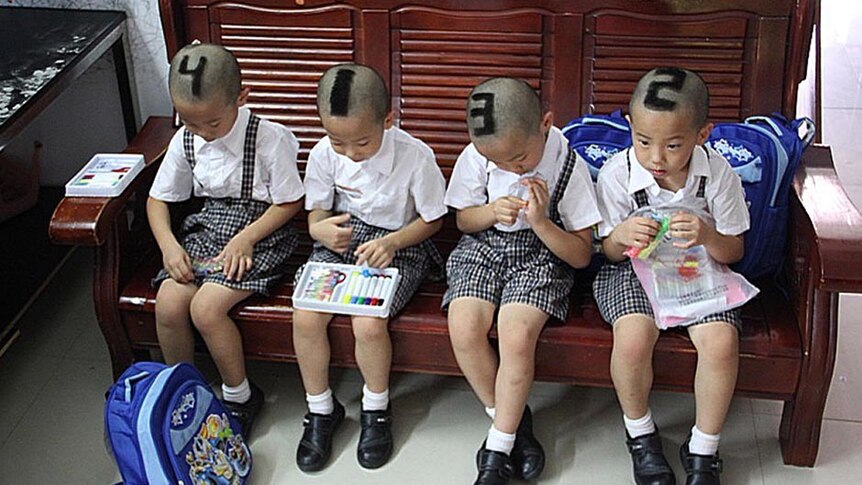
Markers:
<point>684,285</point>
<point>521,190</point>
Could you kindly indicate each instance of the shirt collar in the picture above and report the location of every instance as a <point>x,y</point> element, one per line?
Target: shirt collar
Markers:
<point>547,167</point>
<point>234,141</point>
<point>640,178</point>
<point>380,162</point>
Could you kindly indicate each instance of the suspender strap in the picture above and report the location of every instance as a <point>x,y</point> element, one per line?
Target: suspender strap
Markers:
<point>560,189</point>
<point>640,196</point>
<point>249,153</point>
<point>189,147</point>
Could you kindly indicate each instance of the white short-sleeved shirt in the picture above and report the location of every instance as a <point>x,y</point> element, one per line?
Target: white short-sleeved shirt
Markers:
<point>724,195</point>
<point>476,181</point>
<point>218,166</point>
<point>389,190</point>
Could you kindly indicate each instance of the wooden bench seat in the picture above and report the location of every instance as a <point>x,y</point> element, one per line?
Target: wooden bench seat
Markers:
<point>582,57</point>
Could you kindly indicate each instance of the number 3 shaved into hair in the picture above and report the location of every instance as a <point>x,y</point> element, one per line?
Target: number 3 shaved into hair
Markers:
<point>488,127</point>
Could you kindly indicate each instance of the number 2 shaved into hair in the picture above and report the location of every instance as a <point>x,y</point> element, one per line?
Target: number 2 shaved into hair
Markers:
<point>653,100</point>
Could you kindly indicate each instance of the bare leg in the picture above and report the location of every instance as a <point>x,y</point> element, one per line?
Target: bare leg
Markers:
<point>631,362</point>
<point>717,345</point>
<point>470,320</point>
<point>209,310</point>
<point>311,343</point>
<point>173,321</point>
<point>518,329</point>
<point>373,351</point>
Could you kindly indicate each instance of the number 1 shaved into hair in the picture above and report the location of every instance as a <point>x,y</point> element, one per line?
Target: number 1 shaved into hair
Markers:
<point>339,98</point>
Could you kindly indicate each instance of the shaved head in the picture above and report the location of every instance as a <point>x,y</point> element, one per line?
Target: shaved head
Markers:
<point>503,106</point>
<point>673,89</point>
<point>352,90</point>
<point>204,72</point>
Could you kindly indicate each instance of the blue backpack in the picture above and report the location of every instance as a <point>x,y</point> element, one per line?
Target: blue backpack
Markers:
<point>765,152</point>
<point>596,138</point>
<point>165,426</point>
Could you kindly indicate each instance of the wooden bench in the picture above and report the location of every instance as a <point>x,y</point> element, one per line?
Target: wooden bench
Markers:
<point>583,57</point>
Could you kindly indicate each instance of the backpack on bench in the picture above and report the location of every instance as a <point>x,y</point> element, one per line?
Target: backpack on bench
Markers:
<point>763,150</point>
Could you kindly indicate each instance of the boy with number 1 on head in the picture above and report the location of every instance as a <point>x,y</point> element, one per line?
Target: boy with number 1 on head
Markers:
<point>376,195</point>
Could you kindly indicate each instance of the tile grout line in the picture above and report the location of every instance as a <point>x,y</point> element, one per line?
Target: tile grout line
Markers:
<point>35,398</point>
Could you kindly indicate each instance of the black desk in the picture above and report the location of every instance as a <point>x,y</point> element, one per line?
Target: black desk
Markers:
<point>43,50</point>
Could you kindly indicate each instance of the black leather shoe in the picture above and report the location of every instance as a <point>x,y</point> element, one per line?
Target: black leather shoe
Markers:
<point>316,443</point>
<point>247,411</point>
<point>494,468</point>
<point>700,469</point>
<point>528,457</point>
<point>650,465</point>
<point>375,440</point>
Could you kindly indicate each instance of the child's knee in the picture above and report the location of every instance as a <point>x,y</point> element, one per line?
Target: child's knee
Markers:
<point>720,345</point>
<point>370,331</point>
<point>205,314</point>
<point>518,339</point>
<point>468,329</point>
<point>307,322</point>
<point>634,339</point>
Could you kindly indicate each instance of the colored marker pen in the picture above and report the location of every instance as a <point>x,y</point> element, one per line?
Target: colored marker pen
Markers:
<point>375,293</point>
<point>363,291</point>
<point>351,287</point>
<point>387,289</point>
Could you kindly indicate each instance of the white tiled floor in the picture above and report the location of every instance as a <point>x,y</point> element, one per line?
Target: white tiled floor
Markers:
<point>54,377</point>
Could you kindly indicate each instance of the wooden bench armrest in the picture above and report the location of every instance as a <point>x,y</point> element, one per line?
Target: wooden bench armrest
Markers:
<point>89,220</point>
<point>836,223</point>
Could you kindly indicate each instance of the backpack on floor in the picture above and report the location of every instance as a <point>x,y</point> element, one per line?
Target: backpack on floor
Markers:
<point>765,152</point>
<point>596,138</point>
<point>165,426</point>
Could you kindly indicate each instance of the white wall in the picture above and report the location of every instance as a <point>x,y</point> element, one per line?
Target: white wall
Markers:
<point>87,117</point>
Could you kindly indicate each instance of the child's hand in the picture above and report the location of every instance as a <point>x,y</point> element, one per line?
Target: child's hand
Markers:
<point>635,232</point>
<point>377,253</point>
<point>178,264</point>
<point>537,204</point>
<point>684,225</point>
<point>506,209</point>
<point>331,234</point>
<point>236,257</point>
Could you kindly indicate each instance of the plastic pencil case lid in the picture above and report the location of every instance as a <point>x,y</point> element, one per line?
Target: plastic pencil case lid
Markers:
<point>346,289</point>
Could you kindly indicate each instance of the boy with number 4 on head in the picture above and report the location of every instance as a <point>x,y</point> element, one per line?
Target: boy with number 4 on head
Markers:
<point>245,168</point>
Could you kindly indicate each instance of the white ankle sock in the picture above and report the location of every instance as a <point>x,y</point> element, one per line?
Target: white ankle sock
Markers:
<point>491,412</point>
<point>374,401</point>
<point>500,441</point>
<point>702,443</point>
<point>322,403</point>
<point>641,426</point>
<point>237,394</point>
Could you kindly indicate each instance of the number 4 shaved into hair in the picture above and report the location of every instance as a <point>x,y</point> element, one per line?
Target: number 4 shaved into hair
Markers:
<point>196,73</point>
<point>486,111</point>
<point>677,81</point>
